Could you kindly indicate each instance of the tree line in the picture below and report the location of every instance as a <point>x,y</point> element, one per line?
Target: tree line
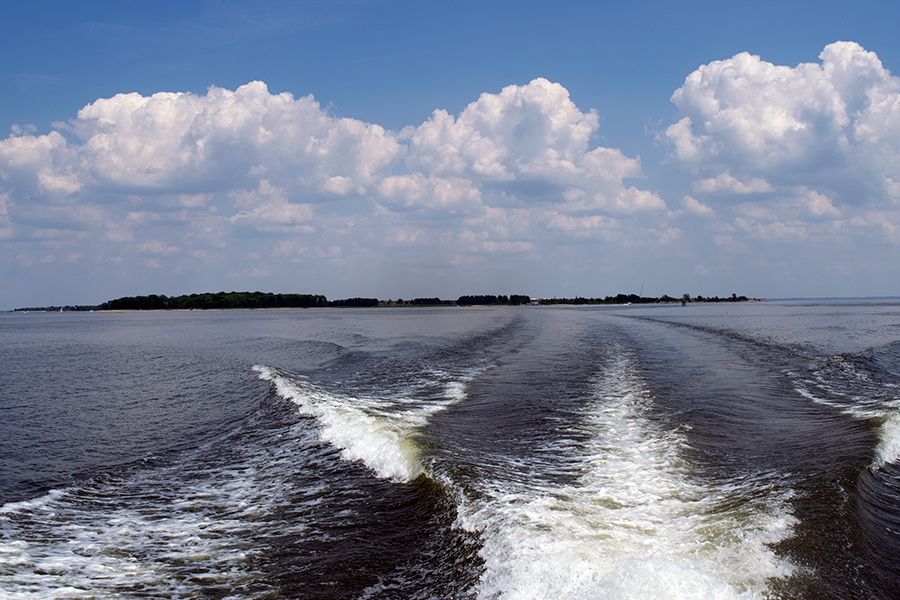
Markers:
<point>635,299</point>
<point>490,300</point>
<point>219,300</point>
<point>226,300</point>
<point>223,300</point>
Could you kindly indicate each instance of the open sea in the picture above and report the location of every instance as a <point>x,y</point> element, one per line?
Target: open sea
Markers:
<point>713,451</point>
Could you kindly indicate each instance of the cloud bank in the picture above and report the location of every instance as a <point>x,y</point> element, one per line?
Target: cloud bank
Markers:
<point>799,153</point>
<point>510,171</point>
<point>794,173</point>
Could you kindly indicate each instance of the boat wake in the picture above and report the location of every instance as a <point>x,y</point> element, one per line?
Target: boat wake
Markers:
<point>634,524</point>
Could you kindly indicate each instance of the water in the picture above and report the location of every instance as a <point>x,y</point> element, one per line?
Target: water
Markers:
<point>730,451</point>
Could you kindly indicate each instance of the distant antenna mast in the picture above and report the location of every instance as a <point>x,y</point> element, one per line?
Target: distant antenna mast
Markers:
<point>642,292</point>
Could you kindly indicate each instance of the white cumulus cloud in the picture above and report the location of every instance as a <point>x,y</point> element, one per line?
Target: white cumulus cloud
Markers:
<point>696,208</point>
<point>183,141</point>
<point>750,126</point>
<point>814,146</point>
<point>530,142</point>
<point>725,182</point>
<point>181,182</point>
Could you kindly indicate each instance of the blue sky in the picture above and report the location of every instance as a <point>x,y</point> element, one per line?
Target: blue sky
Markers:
<point>579,148</point>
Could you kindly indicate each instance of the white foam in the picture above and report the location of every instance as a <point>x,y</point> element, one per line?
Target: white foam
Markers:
<point>54,548</point>
<point>38,503</point>
<point>370,430</point>
<point>162,530</point>
<point>634,524</point>
<point>166,530</point>
<point>888,450</point>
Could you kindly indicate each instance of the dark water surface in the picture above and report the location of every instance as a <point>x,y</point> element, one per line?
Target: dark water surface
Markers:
<point>710,451</point>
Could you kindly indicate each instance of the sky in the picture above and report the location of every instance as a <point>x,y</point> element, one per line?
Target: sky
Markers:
<point>404,149</point>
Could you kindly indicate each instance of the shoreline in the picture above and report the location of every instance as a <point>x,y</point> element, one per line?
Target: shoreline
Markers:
<point>578,301</point>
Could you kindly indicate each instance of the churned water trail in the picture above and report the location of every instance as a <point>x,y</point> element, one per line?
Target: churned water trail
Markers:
<point>632,521</point>
<point>808,393</point>
<point>722,452</point>
<point>624,516</point>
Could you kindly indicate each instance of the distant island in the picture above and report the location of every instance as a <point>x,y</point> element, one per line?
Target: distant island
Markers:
<point>254,300</point>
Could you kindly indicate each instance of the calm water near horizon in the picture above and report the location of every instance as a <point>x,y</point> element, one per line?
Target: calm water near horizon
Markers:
<point>714,451</point>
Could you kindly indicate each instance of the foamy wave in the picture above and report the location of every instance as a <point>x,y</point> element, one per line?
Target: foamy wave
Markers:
<point>635,524</point>
<point>888,450</point>
<point>885,410</point>
<point>30,505</point>
<point>364,428</point>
